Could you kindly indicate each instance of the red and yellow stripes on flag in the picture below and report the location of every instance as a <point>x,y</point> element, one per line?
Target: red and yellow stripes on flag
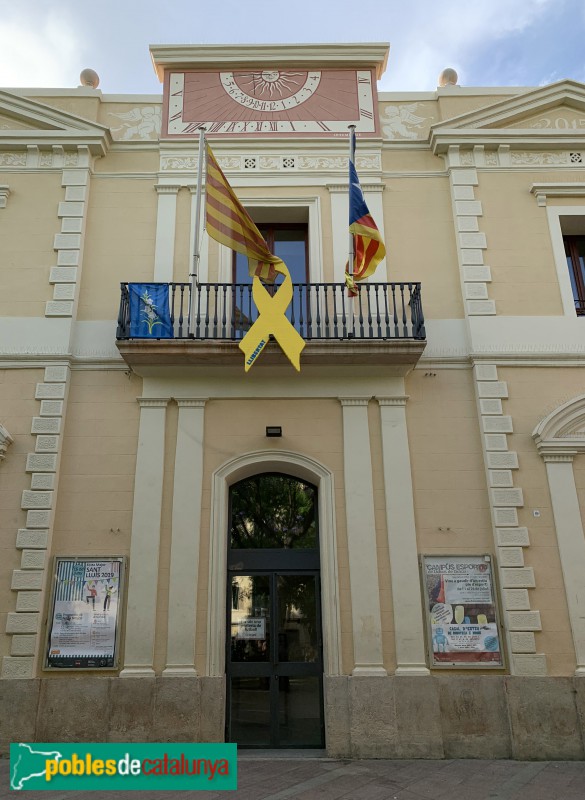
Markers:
<point>228,222</point>
<point>368,247</point>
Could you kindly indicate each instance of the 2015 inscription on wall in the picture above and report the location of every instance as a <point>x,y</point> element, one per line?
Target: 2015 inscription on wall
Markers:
<point>270,101</point>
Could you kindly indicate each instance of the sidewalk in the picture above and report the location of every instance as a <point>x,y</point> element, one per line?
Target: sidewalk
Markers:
<point>267,777</point>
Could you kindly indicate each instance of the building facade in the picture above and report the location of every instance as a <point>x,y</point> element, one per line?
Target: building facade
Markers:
<point>382,555</point>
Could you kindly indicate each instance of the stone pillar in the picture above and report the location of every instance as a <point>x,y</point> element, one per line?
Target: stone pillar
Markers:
<point>145,541</point>
<point>164,248</point>
<point>571,540</point>
<point>186,521</point>
<point>404,569</point>
<point>361,538</point>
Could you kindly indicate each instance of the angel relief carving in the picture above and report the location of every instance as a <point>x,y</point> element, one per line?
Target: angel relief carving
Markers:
<point>399,121</point>
<point>138,123</point>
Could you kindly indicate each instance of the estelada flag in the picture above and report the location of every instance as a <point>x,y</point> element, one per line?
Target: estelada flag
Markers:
<point>368,247</point>
<point>228,222</point>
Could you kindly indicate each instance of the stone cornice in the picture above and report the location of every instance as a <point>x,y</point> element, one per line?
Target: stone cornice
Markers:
<point>217,56</point>
<point>191,402</point>
<point>558,458</point>
<point>153,402</point>
<point>392,401</point>
<point>542,191</point>
<point>516,138</point>
<point>167,188</point>
<point>354,401</point>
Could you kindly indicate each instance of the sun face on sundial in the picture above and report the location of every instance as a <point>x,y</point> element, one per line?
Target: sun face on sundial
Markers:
<point>270,101</point>
<point>270,90</point>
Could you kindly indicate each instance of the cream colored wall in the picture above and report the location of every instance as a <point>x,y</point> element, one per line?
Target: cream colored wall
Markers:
<point>311,427</point>
<point>447,464</point>
<point>524,277</point>
<point>85,107</point>
<point>452,105</point>
<point>98,460</point>
<point>119,242</point>
<point>93,514</point>
<point>535,392</point>
<point>28,226</point>
<point>130,161</point>
<point>17,408</point>
<point>420,242</point>
<point>404,160</point>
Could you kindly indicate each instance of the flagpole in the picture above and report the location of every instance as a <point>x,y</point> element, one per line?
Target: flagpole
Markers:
<point>196,245</point>
<point>350,266</point>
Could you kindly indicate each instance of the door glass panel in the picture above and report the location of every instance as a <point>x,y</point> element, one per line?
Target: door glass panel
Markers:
<point>250,618</point>
<point>297,618</point>
<point>274,511</point>
<point>299,712</point>
<point>250,711</point>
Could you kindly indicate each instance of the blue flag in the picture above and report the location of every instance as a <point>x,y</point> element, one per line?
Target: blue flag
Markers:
<point>149,311</point>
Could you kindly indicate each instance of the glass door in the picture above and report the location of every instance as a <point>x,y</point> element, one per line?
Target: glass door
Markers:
<point>275,664</point>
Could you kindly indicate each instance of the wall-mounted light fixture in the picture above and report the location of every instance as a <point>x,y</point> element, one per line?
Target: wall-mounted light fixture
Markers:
<point>273,430</point>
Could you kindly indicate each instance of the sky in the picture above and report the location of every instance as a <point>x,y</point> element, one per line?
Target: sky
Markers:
<point>46,43</point>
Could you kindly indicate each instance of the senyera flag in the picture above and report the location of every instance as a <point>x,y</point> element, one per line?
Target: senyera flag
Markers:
<point>228,222</point>
<point>368,247</point>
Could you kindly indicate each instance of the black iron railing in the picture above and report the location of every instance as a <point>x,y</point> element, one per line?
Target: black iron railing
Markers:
<point>225,311</point>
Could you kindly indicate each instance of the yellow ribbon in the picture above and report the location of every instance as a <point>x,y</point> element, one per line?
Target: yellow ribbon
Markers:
<point>272,320</point>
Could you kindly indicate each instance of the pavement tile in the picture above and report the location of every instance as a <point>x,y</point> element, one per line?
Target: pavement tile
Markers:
<point>326,779</point>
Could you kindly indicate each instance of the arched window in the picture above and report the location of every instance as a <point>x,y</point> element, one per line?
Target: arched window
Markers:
<point>273,510</point>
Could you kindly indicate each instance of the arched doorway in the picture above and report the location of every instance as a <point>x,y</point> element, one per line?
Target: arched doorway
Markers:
<point>274,648</point>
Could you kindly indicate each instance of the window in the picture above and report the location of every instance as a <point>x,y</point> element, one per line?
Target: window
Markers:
<point>575,253</point>
<point>288,241</point>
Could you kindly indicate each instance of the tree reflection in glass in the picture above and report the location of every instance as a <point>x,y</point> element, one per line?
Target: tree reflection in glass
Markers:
<point>273,511</point>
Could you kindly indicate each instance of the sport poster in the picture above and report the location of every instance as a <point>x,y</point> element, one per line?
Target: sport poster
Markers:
<point>461,611</point>
<point>83,630</point>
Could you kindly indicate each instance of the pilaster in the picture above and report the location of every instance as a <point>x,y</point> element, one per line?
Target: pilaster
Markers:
<point>184,566</point>
<point>404,569</point>
<point>571,541</point>
<point>361,538</point>
<point>164,248</point>
<point>145,540</point>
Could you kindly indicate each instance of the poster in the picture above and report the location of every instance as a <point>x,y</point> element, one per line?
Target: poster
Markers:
<point>83,630</point>
<point>251,628</point>
<point>461,611</point>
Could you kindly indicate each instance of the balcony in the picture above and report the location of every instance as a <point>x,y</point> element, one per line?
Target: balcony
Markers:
<point>382,326</point>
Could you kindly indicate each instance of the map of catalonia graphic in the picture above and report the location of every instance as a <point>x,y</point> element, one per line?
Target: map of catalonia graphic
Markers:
<point>30,764</point>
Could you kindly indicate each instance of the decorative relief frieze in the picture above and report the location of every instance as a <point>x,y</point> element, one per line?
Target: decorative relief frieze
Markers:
<point>141,123</point>
<point>12,159</point>
<point>400,121</point>
<point>528,157</point>
<point>306,163</point>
